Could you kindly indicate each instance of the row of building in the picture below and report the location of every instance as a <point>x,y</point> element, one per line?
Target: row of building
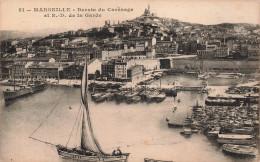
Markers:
<point>116,69</point>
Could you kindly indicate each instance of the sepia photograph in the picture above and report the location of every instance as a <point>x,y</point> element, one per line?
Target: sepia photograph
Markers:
<point>129,81</point>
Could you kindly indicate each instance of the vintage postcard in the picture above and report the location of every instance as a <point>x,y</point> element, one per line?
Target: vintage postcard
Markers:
<point>129,80</point>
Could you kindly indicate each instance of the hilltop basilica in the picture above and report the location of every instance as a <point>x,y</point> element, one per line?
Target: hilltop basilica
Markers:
<point>147,12</point>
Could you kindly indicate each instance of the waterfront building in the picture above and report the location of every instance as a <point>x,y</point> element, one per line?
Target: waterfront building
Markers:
<point>71,72</point>
<point>17,70</point>
<point>135,73</point>
<point>148,64</point>
<point>108,70</point>
<point>222,52</point>
<point>206,54</point>
<point>49,70</point>
<point>226,66</point>
<point>120,70</point>
<point>94,65</point>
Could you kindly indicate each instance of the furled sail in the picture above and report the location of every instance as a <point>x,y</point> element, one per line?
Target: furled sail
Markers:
<point>88,140</point>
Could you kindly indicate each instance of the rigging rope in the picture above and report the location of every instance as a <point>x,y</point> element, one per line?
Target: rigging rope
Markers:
<point>43,141</point>
<point>48,114</point>
<point>74,125</point>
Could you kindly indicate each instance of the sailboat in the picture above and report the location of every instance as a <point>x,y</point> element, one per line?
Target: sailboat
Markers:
<point>89,149</point>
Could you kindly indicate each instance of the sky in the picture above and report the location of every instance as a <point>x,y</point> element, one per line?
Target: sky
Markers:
<point>194,11</point>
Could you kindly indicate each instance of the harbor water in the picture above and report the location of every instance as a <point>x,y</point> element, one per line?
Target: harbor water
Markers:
<point>140,129</point>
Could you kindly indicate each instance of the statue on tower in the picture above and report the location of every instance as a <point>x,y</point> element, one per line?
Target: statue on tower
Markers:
<point>147,11</point>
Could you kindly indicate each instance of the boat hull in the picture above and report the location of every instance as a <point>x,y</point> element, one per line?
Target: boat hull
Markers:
<point>235,141</point>
<point>11,94</point>
<point>215,103</point>
<point>247,151</point>
<point>91,158</point>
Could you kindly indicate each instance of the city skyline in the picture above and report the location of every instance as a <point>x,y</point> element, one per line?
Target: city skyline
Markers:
<point>187,11</point>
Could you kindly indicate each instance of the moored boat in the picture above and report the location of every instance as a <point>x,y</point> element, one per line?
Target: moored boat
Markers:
<point>100,97</point>
<point>134,99</point>
<point>13,94</point>
<point>245,130</point>
<point>213,133</point>
<point>235,139</point>
<point>221,102</point>
<point>120,95</point>
<point>155,96</point>
<point>239,150</point>
<point>129,96</point>
<point>97,97</point>
<point>186,131</point>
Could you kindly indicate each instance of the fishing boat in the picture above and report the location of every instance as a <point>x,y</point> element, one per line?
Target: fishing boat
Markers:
<point>89,149</point>
<point>239,150</point>
<point>16,93</point>
<point>110,96</point>
<point>160,97</point>
<point>120,95</point>
<point>174,108</point>
<point>244,130</point>
<point>235,139</point>
<point>155,96</point>
<point>98,97</point>
<point>129,96</point>
<point>186,131</point>
<point>213,133</point>
<point>134,99</point>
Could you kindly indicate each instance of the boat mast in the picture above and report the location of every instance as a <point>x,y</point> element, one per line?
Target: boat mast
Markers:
<point>160,84</point>
<point>22,76</point>
<point>14,74</point>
